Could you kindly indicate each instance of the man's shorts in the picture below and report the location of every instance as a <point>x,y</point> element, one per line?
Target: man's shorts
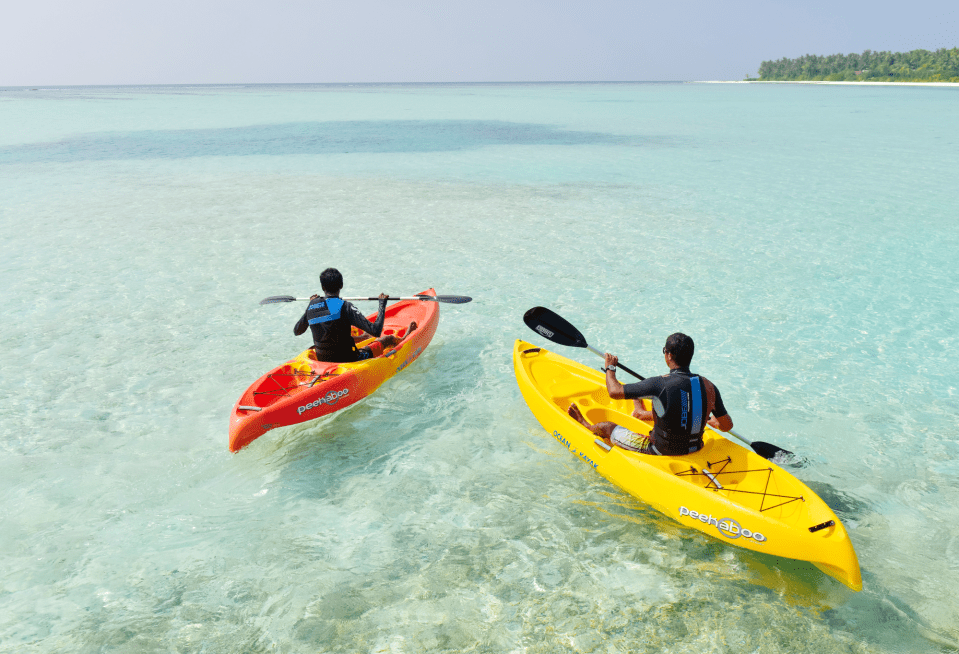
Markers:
<point>631,441</point>
<point>372,350</point>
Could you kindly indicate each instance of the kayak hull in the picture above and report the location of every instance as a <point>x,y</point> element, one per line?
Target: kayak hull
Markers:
<point>724,490</point>
<point>304,389</point>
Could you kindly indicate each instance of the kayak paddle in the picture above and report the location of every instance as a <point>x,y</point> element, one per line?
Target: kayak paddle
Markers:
<point>448,299</point>
<point>554,327</point>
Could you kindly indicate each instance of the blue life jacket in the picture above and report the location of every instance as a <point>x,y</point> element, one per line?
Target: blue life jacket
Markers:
<point>332,338</point>
<point>324,310</point>
<point>684,402</point>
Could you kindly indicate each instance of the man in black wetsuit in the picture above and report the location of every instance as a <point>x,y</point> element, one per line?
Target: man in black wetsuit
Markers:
<point>330,319</point>
<point>682,405</point>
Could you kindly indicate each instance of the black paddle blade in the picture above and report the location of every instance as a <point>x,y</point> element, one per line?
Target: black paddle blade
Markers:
<point>278,298</point>
<point>553,327</point>
<point>448,299</point>
<point>770,451</point>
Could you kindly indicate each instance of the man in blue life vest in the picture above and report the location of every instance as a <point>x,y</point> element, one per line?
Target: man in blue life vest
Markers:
<point>683,404</point>
<point>330,319</point>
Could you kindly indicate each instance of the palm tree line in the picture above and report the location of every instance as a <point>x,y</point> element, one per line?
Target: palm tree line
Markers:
<point>914,66</point>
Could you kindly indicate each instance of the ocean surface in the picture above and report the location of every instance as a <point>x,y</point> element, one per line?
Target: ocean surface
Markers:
<point>805,236</point>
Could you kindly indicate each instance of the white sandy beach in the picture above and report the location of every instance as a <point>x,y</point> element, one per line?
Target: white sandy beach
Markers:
<point>823,82</point>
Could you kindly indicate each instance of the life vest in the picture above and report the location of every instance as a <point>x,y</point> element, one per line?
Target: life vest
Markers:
<point>332,339</point>
<point>680,429</point>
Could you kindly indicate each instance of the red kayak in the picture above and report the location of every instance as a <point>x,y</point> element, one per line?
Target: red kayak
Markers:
<point>305,389</point>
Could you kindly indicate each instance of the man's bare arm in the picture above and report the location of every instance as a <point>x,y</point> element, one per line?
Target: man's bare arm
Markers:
<point>640,412</point>
<point>613,387</point>
<point>724,423</point>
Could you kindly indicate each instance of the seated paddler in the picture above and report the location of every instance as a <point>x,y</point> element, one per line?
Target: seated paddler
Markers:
<point>683,403</point>
<point>330,319</point>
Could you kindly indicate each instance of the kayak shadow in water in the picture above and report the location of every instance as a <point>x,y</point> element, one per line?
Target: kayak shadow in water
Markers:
<point>368,436</point>
<point>844,505</point>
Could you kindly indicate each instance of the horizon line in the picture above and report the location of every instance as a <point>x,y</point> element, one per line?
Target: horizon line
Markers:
<point>182,84</point>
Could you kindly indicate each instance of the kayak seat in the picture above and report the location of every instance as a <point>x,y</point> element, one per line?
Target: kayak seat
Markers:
<point>568,390</point>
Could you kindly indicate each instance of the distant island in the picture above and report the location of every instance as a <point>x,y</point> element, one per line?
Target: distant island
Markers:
<point>915,66</point>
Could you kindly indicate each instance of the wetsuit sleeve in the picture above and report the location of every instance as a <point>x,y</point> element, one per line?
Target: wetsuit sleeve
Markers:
<point>646,388</point>
<point>359,321</point>
<point>720,409</point>
<point>301,325</point>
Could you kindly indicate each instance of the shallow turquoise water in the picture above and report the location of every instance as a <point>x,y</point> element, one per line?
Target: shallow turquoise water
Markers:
<point>803,235</point>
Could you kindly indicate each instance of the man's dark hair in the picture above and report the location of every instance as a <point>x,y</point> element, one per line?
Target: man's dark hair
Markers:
<point>331,280</point>
<point>681,347</point>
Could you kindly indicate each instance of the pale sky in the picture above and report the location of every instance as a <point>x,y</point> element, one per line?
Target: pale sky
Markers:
<point>66,42</point>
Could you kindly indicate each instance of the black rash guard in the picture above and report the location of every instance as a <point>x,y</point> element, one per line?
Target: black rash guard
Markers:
<point>680,409</point>
<point>330,318</point>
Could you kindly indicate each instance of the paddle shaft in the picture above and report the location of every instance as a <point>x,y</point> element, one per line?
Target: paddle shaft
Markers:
<point>364,299</point>
<point>405,297</point>
<point>597,352</point>
<point>447,299</point>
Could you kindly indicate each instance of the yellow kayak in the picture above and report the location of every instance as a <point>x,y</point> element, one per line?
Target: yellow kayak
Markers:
<point>724,490</point>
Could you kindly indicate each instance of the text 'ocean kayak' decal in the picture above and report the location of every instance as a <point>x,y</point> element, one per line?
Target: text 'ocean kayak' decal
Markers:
<point>726,526</point>
<point>410,359</point>
<point>558,436</point>
<point>330,398</point>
